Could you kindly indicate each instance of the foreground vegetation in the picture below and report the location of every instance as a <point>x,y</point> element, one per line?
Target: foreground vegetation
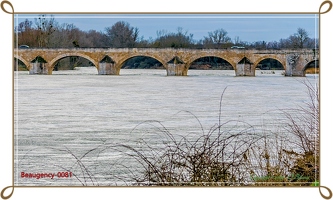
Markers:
<point>224,157</point>
<point>231,153</point>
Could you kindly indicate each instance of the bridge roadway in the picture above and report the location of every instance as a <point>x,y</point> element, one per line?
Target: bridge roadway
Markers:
<point>176,61</point>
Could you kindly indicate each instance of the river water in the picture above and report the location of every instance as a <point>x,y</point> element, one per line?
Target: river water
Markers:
<point>71,116</point>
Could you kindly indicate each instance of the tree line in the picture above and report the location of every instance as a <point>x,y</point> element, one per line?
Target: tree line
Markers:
<point>46,32</point>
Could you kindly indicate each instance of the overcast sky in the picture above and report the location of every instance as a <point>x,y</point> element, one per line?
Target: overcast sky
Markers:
<point>248,27</point>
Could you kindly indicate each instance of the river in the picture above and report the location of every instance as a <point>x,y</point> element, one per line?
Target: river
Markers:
<point>59,118</point>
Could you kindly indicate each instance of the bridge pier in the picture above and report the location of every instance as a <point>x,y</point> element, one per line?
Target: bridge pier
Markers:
<point>245,68</point>
<point>39,66</point>
<point>294,65</point>
<point>107,67</point>
<point>176,67</point>
<point>176,70</point>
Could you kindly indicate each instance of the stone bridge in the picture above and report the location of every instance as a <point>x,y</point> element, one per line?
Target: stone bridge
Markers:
<point>176,61</point>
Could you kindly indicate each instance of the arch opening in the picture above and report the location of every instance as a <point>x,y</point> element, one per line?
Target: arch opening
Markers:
<point>210,63</point>
<point>78,57</point>
<point>19,65</point>
<point>269,64</point>
<point>72,63</point>
<point>207,64</point>
<point>312,67</point>
<point>140,63</point>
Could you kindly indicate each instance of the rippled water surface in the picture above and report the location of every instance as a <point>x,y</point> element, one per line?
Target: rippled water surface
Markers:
<point>73,115</point>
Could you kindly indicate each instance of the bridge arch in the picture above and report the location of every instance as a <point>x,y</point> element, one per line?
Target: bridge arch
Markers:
<point>279,65</point>
<point>27,64</point>
<point>61,56</point>
<point>269,57</point>
<point>124,60</point>
<point>193,59</point>
<point>220,62</point>
<point>312,64</point>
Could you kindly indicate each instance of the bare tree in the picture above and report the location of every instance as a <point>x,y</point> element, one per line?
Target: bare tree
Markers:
<point>180,39</point>
<point>25,33</point>
<point>217,38</point>
<point>45,27</point>
<point>64,36</point>
<point>299,39</point>
<point>97,39</point>
<point>121,35</point>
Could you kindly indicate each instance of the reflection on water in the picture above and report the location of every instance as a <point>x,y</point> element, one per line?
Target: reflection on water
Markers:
<point>72,112</point>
